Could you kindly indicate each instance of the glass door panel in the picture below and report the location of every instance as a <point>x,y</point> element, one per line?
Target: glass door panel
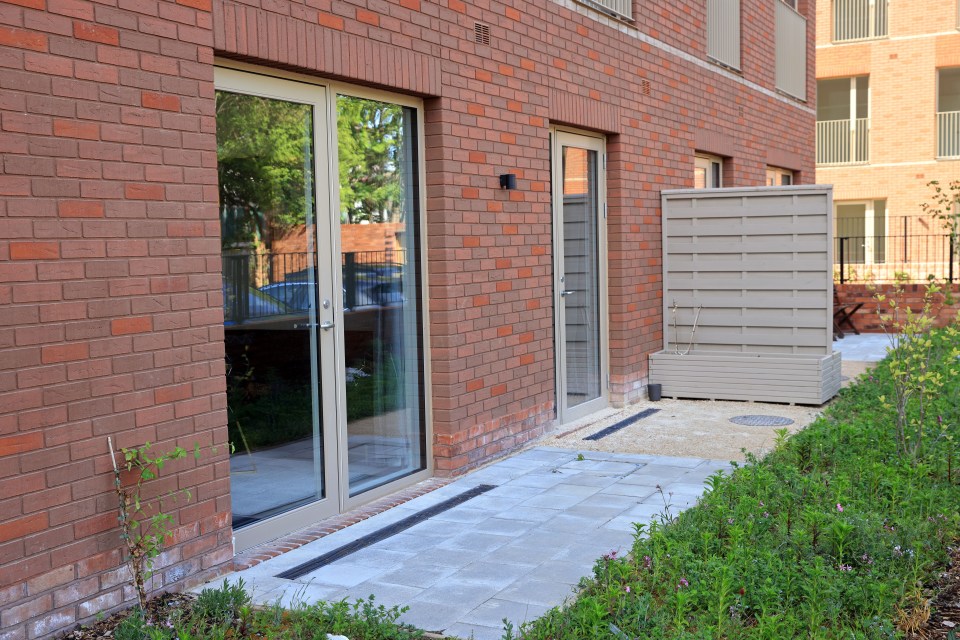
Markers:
<point>580,296</point>
<point>265,155</point>
<point>379,238</point>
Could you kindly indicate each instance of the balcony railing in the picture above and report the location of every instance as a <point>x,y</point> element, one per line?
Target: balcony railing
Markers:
<point>948,134</point>
<point>791,51</point>
<point>859,19</point>
<point>843,141</point>
<point>623,8</point>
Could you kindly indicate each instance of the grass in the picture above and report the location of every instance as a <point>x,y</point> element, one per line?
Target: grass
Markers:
<point>833,535</point>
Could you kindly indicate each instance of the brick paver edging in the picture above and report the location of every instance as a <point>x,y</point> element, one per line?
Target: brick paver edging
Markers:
<point>258,554</point>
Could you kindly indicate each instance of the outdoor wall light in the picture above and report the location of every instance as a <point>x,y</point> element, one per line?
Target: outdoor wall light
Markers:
<point>508,181</point>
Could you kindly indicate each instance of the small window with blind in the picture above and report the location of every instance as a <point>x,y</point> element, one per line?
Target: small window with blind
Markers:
<point>777,177</point>
<point>707,172</point>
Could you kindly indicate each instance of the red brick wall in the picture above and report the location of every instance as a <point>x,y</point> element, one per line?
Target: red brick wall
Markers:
<point>110,320</point>
<point>109,253</point>
<point>866,318</point>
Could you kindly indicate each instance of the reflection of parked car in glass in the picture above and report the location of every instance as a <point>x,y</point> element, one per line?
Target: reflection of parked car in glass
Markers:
<point>297,295</point>
<point>239,306</point>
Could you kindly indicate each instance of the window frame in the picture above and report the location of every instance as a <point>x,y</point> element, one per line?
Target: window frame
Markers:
<point>713,170</point>
<point>778,174</point>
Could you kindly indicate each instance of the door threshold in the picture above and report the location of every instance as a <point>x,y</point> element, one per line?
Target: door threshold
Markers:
<point>322,528</point>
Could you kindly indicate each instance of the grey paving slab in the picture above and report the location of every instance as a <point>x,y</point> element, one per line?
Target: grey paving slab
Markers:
<point>386,593</point>
<point>528,514</point>
<point>492,612</point>
<point>474,631</point>
<point>497,503</point>
<point>421,575</point>
<point>552,500</point>
<point>435,616</point>
<point>574,488</point>
<point>601,499</point>
<point>462,590</point>
<point>511,491</point>
<point>440,528</point>
<point>512,552</point>
<point>542,592</point>
<point>463,513</point>
<point>526,553</point>
<point>639,491</point>
<point>612,467</point>
<point>503,526</point>
<point>568,523</point>
<point>343,574</point>
<point>625,523</point>
<point>566,571</point>
<point>493,572</point>
<point>475,542</point>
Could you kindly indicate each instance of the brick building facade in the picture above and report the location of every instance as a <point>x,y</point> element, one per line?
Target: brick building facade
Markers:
<point>904,64</point>
<point>119,294</point>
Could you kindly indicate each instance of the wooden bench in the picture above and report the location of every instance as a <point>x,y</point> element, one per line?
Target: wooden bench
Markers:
<point>843,315</point>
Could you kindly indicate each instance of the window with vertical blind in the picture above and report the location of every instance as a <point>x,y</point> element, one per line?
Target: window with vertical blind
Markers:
<point>723,32</point>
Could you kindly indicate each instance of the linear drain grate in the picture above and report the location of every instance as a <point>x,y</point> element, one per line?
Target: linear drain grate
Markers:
<point>761,421</point>
<point>382,534</point>
<point>626,422</point>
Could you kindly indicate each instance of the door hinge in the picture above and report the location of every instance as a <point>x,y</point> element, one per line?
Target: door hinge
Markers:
<point>608,382</point>
<point>604,210</point>
<point>604,162</point>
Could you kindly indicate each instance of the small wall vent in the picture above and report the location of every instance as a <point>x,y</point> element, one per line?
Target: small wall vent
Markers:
<point>645,87</point>
<point>481,33</point>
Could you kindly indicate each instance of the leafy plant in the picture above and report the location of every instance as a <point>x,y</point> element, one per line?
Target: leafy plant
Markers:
<point>144,524</point>
<point>909,361</point>
<point>944,206</point>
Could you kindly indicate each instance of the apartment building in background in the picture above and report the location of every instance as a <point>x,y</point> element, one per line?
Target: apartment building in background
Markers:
<point>365,242</point>
<point>888,123</point>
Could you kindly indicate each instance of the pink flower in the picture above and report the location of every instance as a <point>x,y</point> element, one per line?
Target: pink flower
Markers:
<point>839,507</point>
<point>627,588</point>
<point>683,583</point>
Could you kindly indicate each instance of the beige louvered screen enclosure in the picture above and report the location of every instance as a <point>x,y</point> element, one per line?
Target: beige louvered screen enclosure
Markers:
<point>748,295</point>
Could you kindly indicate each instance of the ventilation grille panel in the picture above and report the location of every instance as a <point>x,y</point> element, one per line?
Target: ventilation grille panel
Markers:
<point>481,33</point>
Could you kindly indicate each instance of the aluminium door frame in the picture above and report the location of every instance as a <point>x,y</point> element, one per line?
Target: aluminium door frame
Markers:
<point>251,79</point>
<point>595,142</point>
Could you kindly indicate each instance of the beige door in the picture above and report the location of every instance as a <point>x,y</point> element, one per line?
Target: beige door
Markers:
<point>579,223</point>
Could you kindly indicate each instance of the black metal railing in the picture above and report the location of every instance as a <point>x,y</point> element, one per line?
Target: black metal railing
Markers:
<point>257,286</point>
<point>889,258</point>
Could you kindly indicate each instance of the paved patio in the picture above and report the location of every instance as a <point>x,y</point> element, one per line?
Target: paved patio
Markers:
<point>514,551</point>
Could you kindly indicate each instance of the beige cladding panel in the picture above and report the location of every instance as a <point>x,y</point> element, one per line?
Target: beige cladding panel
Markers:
<point>753,245</point>
<point>747,295</point>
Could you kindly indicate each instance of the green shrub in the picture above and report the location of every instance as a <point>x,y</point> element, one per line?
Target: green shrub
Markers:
<point>833,535</point>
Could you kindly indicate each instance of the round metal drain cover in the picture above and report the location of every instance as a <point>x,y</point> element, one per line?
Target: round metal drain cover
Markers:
<point>761,421</point>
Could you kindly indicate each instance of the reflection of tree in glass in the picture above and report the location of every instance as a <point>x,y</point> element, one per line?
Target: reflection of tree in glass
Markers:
<point>264,151</point>
<point>370,142</point>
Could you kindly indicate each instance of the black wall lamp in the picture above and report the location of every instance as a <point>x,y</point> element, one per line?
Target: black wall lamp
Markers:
<point>508,181</point>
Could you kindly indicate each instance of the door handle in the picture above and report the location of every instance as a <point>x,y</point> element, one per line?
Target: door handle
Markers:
<point>326,325</point>
<point>567,292</point>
